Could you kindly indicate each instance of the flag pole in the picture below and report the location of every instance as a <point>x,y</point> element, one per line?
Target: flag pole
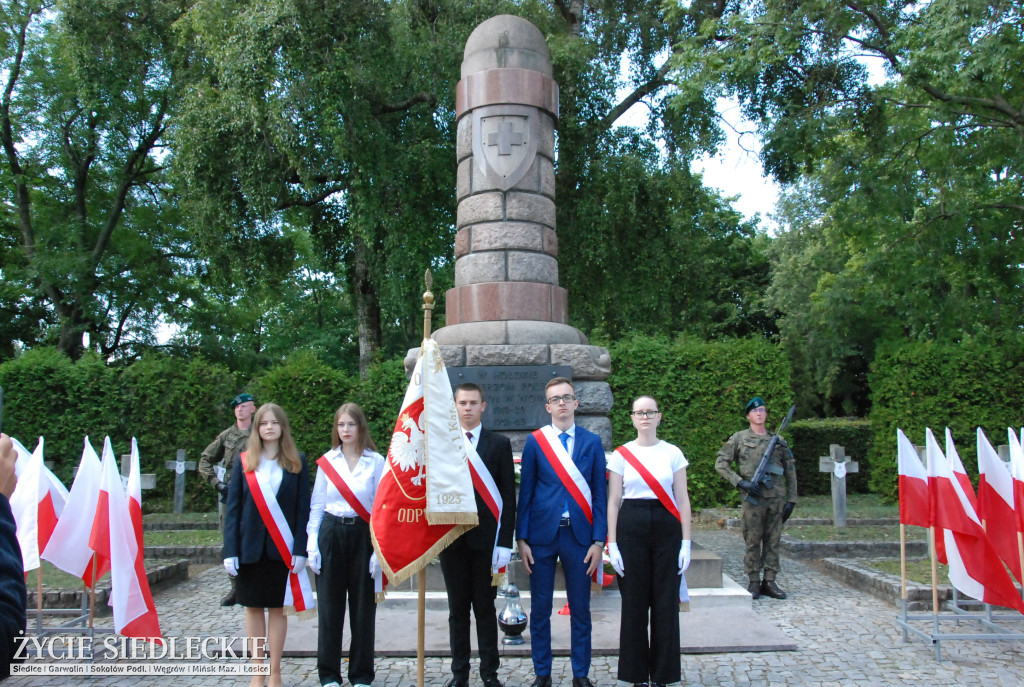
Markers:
<point>39,597</point>
<point>1020,554</point>
<point>428,311</point>
<point>903,562</point>
<point>92,595</point>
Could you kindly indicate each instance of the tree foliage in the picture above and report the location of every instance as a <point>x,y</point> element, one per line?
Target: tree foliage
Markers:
<point>91,242</point>
<point>908,209</point>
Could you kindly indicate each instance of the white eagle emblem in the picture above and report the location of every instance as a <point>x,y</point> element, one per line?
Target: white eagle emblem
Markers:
<point>407,449</point>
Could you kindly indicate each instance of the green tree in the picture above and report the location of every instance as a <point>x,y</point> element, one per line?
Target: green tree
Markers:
<point>90,242</point>
<point>911,216</point>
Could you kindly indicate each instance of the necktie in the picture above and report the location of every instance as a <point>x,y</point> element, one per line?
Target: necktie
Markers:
<point>469,435</point>
<point>564,436</point>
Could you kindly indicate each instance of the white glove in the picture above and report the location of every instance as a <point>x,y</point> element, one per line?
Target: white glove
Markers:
<point>684,556</point>
<point>298,564</point>
<point>616,558</point>
<point>374,566</point>
<point>231,565</point>
<point>314,562</point>
<point>500,557</point>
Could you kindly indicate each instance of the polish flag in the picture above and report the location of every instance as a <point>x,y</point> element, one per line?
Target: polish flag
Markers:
<point>37,502</point>
<point>995,503</point>
<point>130,599</point>
<point>913,483</point>
<point>974,565</point>
<point>1017,472</point>
<point>68,548</point>
<point>425,499</point>
<point>958,469</point>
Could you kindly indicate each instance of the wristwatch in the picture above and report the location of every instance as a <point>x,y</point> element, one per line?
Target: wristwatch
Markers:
<point>599,543</point>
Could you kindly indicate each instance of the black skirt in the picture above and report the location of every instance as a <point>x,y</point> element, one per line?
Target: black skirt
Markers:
<point>261,584</point>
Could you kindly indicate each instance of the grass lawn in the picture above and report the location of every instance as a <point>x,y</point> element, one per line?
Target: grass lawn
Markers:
<point>917,570</point>
<point>180,517</point>
<point>857,506</point>
<point>856,533</point>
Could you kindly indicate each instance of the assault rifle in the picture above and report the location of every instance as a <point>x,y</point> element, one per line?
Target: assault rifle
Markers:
<point>765,470</point>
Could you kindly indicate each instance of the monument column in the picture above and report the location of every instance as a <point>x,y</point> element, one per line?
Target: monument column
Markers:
<point>507,308</point>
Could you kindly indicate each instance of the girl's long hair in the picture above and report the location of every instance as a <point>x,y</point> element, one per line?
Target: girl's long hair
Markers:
<point>287,452</point>
<point>362,427</point>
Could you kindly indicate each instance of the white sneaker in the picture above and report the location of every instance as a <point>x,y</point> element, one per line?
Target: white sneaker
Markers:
<point>331,684</point>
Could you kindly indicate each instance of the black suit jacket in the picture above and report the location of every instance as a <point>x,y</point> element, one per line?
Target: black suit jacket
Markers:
<point>245,535</point>
<point>496,452</point>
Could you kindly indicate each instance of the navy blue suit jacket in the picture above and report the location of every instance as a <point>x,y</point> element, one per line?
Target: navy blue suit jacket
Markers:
<point>245,535</point>
<point>542,494</point>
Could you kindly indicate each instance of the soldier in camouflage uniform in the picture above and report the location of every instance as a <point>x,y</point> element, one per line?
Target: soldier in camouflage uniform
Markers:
<point>221,454</point>
<point>762,524</point>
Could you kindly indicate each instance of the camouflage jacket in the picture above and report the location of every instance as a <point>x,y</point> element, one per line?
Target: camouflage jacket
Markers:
<point>745,449</point>
<point>222,451</point>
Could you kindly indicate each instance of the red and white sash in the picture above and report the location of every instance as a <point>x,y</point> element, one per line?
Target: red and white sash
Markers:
<point>362,509</point>
<point>484,484</point>
<point>668,500</point>
<point>572,478</point>
<point>298,592</point>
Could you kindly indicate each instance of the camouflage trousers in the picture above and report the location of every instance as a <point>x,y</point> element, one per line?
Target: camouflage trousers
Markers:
<point>762,530</point>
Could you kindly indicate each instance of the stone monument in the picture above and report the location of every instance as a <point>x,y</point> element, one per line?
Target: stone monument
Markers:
<point>507,309</point>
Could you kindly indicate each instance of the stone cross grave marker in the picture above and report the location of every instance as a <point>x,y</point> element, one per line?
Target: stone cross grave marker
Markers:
<point>838,464</point>
<point>1004,453</point>
<point>179,465</point>
<point>148,479</point>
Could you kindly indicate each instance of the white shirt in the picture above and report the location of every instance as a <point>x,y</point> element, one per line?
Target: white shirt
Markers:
<point>271,472</point>
<point>568,447</point>
<point>663,460</point>
<point>326,497</point>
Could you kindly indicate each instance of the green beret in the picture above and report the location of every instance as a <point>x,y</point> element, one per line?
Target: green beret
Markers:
<point>755,402</point>
<point>240,399</point>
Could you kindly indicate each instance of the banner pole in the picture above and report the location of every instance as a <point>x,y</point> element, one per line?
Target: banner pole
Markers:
<point>428,311</point>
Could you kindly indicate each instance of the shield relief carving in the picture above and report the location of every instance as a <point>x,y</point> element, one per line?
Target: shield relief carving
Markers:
<point>504,143</point>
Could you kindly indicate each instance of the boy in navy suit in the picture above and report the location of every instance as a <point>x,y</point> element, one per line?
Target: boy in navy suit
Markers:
<point>563,499</point>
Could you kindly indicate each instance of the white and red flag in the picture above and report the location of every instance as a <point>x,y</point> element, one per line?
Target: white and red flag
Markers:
<point>958,469</point>
<point>974,565</point>
<point>425,498</point>
<point>37,503</point>
<point>995,504</point>
<point>68,548</point>
<point>1017,473</point>
<point>140,611</point>
<point>913,483</point>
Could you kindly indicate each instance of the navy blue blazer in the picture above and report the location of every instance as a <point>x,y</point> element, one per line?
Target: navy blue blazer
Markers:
<point>12,589</point>
<point>541,493</point>
<point>245,535</point>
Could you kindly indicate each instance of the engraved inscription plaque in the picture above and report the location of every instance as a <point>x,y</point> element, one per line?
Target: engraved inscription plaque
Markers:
<point>514,393</point>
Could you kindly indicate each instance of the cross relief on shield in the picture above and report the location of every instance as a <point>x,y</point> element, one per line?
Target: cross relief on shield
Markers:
<point>504,143</point>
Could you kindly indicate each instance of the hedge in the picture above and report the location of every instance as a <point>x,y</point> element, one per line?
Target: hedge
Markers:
<point>701,389</point>
<point>962,386</point>
<point>810,439</point>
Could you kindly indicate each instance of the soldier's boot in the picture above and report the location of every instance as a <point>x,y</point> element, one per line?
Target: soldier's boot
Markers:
<point>769,588</point>
<point>754,587</point>
<point>229,600</point>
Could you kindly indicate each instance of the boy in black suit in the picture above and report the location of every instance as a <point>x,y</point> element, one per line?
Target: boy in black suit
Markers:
<point>467,563</point>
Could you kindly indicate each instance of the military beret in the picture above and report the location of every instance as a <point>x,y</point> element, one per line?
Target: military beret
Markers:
<point>240,399</point>
<point>755,402</point>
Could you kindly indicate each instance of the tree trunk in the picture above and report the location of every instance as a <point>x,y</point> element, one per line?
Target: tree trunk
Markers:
<point>367,307</point>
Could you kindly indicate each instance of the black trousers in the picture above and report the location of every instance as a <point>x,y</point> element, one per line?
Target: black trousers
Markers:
<point>467,577</point>
<point>649,538</point>
<point>344,573</point>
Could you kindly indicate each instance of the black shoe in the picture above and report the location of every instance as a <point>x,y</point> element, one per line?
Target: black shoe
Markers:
<point>542,681</point>
<point>754,587</point>
<point>229,600</point>
<point>582,682</point>
<point>457,682</point>
<point>769,588</point>
<point>639,684</point>
<point>493,682</point>
<point>657,684</point>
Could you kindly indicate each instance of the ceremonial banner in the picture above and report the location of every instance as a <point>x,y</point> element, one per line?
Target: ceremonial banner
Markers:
<point>425,499</point>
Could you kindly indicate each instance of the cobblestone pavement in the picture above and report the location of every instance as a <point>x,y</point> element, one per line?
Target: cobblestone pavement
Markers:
<point>845,638</point>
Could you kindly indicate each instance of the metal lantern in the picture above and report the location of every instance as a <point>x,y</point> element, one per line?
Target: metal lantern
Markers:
<point>512,619</point>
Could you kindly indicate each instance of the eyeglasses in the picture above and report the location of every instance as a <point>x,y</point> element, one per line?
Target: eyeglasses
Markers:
<point>639,414</point>
<point>566,399</point>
